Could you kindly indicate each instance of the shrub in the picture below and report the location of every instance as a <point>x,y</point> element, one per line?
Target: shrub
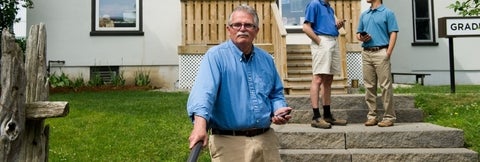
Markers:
<point>96,80</point>
<point>59,81</point>
<point>118,80</point>
<point>78,82</point>
<point>142,78</point>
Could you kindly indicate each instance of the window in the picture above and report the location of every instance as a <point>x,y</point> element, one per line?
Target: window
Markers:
<point>423,24</point>
<point>293,13</point>
<point>116,17</point>
<point>104,74</point>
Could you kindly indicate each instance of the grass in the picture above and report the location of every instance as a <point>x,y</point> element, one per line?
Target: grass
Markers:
<point>458,110</point>
<point>153,126</point>
<point>121,126</point>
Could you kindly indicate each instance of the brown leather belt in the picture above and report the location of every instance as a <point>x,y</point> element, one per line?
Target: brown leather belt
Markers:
<point>248,133</point>
<point>373,49</point>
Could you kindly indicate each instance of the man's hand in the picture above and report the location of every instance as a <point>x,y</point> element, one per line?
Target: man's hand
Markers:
<point>364,38</point>
<point>282,115</point>
<point>340,23</point>
<point>199,132</point>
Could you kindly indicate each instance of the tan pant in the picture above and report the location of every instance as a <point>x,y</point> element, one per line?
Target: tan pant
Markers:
<point>261,148</point>
<point>377,72</point>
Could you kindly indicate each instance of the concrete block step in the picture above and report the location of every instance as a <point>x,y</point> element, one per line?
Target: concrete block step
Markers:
<point>393,154</point>
<point>404,115</point>
<point>304,90</point>
<point>350,101</point>
<point>358,136</point>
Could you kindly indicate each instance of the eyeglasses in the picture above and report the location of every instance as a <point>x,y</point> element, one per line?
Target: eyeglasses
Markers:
<point>238,26</point>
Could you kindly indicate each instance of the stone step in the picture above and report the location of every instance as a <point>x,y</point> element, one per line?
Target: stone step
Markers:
<point>404,115</point>
<point>394,154</point>
<point>296,90</point>
<point>350,101</point>
<point>358,136</point>
<point>353,108</point>
<point>408,140</point>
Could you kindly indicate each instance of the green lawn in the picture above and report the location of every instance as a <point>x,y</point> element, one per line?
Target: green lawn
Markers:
<point>153,126</point>
<point>121,126</point>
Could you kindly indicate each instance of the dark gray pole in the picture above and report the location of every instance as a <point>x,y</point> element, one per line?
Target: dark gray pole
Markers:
<point>452,66</point>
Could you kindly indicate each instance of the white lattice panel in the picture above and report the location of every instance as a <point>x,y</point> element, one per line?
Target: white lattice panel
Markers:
<point>188,68</point>
<point>354,67</point>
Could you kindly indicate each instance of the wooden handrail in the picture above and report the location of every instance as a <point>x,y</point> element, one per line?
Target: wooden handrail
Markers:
<point>279,41</point>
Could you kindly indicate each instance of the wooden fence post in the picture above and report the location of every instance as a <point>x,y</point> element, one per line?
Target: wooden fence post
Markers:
<point>12,99</point>
<point>24,104</point>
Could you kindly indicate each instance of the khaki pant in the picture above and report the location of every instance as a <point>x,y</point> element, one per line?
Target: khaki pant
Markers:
<point>377,72</point>
<point>261,148</point>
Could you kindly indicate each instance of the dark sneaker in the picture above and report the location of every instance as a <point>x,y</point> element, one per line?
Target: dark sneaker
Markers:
<point>320,123</point>
<point>334,121</point>
<point>371,122</point>
<point>385,123</point>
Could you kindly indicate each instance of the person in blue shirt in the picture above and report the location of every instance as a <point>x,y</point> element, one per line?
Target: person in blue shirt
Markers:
<point>377,30</point>
<point>321,27</point>
<point>237,95</point>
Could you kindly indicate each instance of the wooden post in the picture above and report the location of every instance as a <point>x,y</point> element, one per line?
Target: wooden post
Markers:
<point>23,101</point>
<point>12,99</point>
<point>35,139</point>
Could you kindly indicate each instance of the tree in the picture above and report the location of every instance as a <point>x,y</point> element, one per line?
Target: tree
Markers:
<point>466,7</point>
<point>9,10</point>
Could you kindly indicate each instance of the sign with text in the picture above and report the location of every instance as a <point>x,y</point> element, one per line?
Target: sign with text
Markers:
<point>459,27</point>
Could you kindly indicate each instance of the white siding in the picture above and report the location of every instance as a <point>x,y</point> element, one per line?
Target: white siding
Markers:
<point>68,24</point>
<point>433,59</point>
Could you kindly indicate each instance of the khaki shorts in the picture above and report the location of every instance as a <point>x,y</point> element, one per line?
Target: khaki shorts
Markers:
<point>326,56</point>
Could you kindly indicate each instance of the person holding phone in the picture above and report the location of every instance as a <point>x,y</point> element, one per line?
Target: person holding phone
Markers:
<point>237,95</point>
<point>378,30</point>
<point>321,26</point>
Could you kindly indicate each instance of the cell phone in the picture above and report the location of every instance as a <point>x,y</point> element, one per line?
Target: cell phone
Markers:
<point>283,114</point>
<point>363,33</point>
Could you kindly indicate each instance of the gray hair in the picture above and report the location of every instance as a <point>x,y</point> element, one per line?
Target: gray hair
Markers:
<point>247,9</point>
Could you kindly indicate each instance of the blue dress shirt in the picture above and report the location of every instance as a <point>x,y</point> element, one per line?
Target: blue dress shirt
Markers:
<point>378,23</point>
<point>322,18</point>
<point>233,93</point>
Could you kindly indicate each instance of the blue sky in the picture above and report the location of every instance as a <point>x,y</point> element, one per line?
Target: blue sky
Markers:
<point>115,8</point>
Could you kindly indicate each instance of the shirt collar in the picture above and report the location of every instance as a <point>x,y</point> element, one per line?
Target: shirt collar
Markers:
<point>379,8</point>
<point>324,3</point>
<point>238,52</point>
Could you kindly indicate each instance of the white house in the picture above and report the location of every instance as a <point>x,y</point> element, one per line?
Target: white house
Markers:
<point>72,37</point>
<point>132,36</point>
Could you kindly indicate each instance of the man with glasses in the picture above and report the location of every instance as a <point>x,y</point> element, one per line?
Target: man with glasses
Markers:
<point>237,95</point>
<point>321,27</point>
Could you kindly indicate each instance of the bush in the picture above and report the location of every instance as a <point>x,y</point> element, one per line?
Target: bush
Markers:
<point>96,80</point>
<point>59,81</point>
<point>78,82</point>
<point>142,78</point>
<point>118,80</point>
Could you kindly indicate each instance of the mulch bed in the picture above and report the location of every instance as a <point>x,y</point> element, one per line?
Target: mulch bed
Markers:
<point>99,88</point>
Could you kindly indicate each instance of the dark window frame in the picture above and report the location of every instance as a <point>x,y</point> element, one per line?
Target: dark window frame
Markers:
<point>117,30</point>
<point>433,40</point>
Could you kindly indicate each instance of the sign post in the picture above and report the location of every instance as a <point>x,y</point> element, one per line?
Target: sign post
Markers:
<point>451,27</point>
